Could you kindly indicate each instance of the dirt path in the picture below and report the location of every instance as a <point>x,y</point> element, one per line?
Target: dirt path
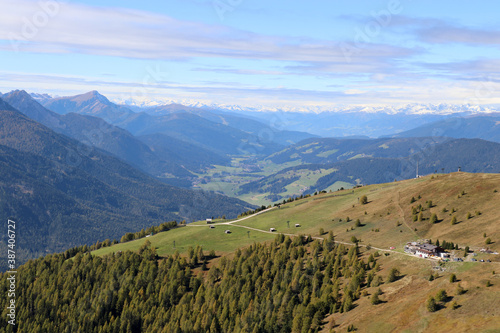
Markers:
<point>238,220</point>
<point>402,213</point>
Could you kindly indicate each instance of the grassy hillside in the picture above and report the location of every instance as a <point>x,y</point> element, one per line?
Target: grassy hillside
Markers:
<point>385,221</point>
<point>403,303</point>
<point>390,204</point>
<point>189,236</point>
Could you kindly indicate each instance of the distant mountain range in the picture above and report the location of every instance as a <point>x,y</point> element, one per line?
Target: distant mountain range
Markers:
<point>96,132</point>
<point>342,120</point>
<point>282,126</point>
<point>91,103</point>
<point>486,127</point>
<point>65,193</point>
<point>409,108</point>
<point>180,143</point>
<point>221,134</point>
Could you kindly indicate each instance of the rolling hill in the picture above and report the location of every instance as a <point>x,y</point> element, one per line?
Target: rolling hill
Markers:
<point>388,204</point>
<point>330,150</point>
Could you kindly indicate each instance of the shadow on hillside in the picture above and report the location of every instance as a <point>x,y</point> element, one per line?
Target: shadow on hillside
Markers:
<point>399,277</point>
<point>442,305</point>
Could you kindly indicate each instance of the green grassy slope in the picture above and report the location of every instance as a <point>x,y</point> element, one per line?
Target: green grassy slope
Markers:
<point>385,221</point>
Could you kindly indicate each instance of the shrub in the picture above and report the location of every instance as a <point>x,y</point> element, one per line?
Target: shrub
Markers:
<point>375,299</point>
<point>363,200</point>
<point>453,278</point>
<point>441,296</point>
<point>393,275</point>
<point>488,240</point>
<point>431,304</point>
<point>420,217</point>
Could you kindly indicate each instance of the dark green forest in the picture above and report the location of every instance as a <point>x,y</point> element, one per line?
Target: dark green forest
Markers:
<point>288,285</point>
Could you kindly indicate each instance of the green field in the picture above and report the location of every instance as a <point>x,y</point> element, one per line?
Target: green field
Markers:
<point>184,237</point>
<point>228,179</point>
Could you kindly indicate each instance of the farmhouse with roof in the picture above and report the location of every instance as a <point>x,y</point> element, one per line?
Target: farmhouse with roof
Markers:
<point>424,250</point>
<point>427,250</point>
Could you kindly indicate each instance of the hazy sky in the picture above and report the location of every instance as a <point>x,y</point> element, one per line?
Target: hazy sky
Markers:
<point>253,52</point>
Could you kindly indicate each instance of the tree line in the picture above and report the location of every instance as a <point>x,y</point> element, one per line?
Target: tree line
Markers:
<point>289,285</point>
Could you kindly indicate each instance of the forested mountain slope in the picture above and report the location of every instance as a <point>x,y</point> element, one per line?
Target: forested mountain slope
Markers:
<point>65,193</point>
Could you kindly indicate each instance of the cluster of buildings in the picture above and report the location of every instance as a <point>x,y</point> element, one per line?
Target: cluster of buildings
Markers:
<point>425,250</point>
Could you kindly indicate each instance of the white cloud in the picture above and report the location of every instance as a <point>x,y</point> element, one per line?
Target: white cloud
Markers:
<point>445,33</point>
<point>122,32</point>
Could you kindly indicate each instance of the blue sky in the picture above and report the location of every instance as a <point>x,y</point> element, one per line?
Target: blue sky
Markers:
<point>283,54</point>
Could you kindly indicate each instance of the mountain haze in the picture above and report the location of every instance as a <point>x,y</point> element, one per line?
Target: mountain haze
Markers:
<point>91,103</point>
<point>58,187</point>
<point>96,132</point>
<point>486,127</point>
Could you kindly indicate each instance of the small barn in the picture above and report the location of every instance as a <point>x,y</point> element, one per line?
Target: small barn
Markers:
<point>209,221</point>
<point>272,229</point>
<point>227,231</point>
<point>297,225</point>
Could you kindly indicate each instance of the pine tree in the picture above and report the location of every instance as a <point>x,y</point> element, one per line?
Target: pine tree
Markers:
<point>431,304</point>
